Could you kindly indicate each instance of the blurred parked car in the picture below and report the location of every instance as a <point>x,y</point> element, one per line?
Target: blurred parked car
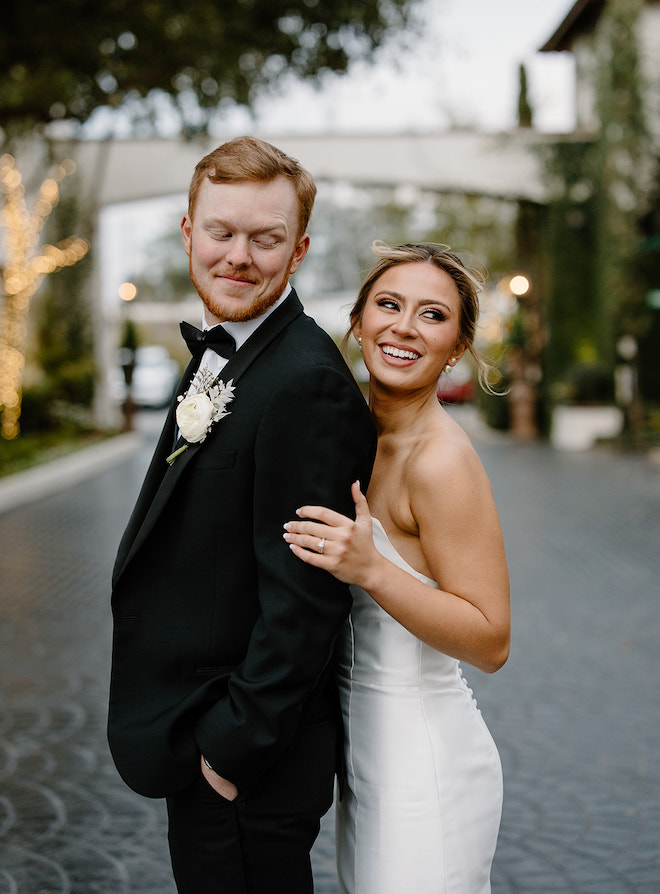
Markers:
<point>458,386</point>
<point>155,376</point>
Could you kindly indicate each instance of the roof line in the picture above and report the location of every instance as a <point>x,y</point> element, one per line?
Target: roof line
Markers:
<point>558,41</point>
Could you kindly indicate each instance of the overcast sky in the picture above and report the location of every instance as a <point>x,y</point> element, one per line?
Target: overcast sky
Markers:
<point>462,71</point>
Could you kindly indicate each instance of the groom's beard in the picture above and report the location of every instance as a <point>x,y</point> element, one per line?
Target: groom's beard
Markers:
<point>251,311</point>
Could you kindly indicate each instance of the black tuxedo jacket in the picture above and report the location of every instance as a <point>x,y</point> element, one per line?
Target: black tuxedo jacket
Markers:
<point>222,638</point>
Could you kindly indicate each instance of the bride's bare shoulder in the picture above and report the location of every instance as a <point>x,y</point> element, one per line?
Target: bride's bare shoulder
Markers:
<point>447,461</point>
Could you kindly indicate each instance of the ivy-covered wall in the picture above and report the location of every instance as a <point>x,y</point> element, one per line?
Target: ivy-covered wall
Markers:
<point>602,227</point>
<point>572,294</point>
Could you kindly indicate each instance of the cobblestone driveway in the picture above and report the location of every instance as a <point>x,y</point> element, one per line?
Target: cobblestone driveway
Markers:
<point>575,712</point>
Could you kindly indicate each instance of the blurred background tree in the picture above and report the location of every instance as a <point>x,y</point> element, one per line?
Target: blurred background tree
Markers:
<point>26,263</point>
<point>64,59</point>
<point>64,331</point>
<point>525,111</point>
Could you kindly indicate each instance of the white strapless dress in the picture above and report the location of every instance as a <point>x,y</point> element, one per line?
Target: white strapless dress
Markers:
<point>421,809</point>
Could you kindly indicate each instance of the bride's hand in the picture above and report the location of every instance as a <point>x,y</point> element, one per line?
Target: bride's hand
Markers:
<point>333,542</point>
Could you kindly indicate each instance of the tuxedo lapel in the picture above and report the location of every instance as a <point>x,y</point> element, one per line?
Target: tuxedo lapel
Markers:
<point>259,340</point>
<point>168,479</point>
<point>161,479</point>
<point>153,478</point>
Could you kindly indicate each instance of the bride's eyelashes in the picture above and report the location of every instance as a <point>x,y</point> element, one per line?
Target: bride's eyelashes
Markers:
<point>429,313</point>
<point>388,303</point>
<point>435,314</point>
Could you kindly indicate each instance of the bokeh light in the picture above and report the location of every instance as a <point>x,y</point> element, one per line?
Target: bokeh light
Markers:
<point>519,285</point>
<point>127,291</point>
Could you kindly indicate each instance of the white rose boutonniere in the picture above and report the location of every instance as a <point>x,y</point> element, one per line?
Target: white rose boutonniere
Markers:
<point>203,405</point>
<point>193,416</point>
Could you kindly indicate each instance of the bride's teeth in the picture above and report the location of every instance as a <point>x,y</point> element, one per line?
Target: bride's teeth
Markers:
<point>403,355</point>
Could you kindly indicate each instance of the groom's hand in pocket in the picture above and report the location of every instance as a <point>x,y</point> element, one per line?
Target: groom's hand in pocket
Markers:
<point>223,787</point>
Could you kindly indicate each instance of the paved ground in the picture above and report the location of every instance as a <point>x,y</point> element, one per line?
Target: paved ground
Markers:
<point>575,711</point>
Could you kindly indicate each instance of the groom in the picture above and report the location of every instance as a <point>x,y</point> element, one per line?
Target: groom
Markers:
<point>222,698</point>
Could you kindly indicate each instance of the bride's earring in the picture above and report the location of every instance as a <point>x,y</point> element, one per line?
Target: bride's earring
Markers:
<point>359,341</point>
<point>450,365</point>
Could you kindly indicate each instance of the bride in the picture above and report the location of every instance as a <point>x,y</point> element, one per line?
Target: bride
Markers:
<point>426,561</point>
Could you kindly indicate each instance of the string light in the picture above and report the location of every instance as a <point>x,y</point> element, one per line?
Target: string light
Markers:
<point>25,267</point>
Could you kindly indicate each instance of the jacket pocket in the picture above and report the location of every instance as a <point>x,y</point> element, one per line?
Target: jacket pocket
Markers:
<point>214,670</point>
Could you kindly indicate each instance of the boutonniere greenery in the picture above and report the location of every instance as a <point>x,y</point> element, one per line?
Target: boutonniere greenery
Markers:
<point>204,404</point>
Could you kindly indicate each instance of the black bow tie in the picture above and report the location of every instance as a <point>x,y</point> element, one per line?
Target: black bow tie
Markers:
<point>216,338</point>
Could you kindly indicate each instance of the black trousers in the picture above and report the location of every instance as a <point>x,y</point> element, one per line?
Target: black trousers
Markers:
<point>260,843</point>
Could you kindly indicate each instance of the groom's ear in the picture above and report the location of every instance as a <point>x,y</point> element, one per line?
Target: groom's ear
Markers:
<point>299,253</point>
<point>186,233</point>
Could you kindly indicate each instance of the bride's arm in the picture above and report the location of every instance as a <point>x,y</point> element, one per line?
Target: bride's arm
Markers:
<point>460,536</point>
<point>461,539</point>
